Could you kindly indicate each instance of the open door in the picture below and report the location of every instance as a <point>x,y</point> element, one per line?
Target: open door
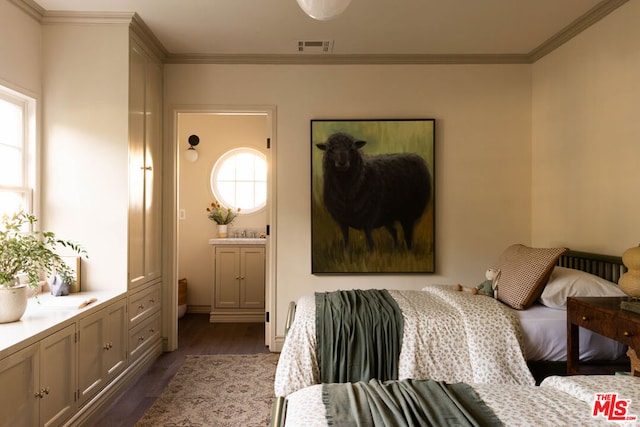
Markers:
<point>188,193</point>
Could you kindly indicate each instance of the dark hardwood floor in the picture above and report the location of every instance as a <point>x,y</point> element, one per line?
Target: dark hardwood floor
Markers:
<point>195,336</point>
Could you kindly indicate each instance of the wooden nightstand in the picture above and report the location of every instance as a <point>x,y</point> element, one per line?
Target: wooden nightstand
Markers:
<point>604,316</point>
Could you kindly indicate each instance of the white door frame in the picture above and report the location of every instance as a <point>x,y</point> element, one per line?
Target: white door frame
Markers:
<point>171,207</point>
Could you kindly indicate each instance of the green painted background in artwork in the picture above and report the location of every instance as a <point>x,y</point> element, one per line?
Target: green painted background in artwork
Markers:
<point>382,137</point>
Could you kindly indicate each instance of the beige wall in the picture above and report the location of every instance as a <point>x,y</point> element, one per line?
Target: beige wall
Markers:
<point>218,134</point>
<point>79,76</point>
<point>586,151</point>
<point>483,153</point>
<point>85,133</point>
<point>20,50</point>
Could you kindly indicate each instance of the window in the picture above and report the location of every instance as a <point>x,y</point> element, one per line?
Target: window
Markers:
<point>239,179</point>
<point>17,165</point>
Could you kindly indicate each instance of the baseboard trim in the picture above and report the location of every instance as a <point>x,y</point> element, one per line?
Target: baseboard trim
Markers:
<point>236,317</point>
<point>199,309</point>
<point>279,342</point>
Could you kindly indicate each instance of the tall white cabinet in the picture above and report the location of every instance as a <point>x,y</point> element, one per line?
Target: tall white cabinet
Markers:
<point>144,321</point>
<point>145,166</point>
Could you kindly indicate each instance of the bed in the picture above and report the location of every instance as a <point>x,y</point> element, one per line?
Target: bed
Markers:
<point>463,346</point>
<point>557,401</point>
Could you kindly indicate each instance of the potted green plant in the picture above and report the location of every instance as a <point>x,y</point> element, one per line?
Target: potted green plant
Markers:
<point>29,253</point>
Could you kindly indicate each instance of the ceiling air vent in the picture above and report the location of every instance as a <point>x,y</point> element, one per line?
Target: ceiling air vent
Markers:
<point>315,46</point>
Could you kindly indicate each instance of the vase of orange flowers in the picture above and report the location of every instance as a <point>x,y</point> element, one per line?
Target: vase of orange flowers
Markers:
<point>222,216</point>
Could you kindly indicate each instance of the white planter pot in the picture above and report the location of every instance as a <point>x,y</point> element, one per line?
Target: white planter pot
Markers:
<point>222,231</point>
<point>13,303</point>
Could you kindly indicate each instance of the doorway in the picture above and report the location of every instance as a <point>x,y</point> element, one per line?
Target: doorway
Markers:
<point>188,228</point>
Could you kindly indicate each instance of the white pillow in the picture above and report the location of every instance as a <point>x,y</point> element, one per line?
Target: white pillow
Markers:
<point>567,282</point>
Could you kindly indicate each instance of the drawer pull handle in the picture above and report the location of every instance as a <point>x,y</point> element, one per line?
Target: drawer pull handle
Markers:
<point>627,334</point>
<point>585,319</point>
<point>140,339</point>
<point>42,392</point>
<point>141,307</point>
<point>152,300</point>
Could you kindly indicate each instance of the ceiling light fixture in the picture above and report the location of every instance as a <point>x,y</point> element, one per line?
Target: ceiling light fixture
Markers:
<point>323,10</point>
<point>191,155</point>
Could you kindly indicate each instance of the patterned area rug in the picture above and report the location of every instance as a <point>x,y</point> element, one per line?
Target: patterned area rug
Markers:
<point>217,390</point>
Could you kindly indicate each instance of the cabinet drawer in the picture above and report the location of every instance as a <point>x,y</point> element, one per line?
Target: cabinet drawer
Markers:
<point>628,333</point>
<point>143,336</point>
<point>614,326</point>
<point>594,320</point>
<point>142,304</point>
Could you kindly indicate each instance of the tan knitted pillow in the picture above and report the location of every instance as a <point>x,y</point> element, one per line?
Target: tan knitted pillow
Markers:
<point>524,272</point>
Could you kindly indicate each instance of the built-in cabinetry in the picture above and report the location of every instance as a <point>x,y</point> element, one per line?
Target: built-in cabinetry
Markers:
<point>39,382</point>
<point>144,320</point>
<point>63,364</point>
<point>102,351</point>
<point>144,323</point>
<point>76,359</point>
<point>145,166</point>
<point>238,285</point>
<point>76,354</point>
<point>66,364</point>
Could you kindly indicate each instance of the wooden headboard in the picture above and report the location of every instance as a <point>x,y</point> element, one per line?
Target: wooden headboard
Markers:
<point>608,267</point>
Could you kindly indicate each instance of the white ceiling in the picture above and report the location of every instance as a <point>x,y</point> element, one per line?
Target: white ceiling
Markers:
<point>368,27</point>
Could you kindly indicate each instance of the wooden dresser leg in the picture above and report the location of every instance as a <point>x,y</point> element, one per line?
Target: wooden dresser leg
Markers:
<point>573,350</point>
<point>635,362</point>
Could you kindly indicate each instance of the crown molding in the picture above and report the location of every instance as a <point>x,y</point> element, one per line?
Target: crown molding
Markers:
<point>144,33</point>
<point>594,15</point>
<point>73,17</point>
<point>31,8</point>
<point>131,19</point>
<point>140,29</point>
<point>338,59</point>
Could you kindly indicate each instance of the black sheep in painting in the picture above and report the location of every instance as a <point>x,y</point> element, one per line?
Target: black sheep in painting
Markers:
<point>368,192</point>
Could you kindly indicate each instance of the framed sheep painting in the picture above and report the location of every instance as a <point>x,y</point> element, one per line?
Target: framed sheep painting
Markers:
<point>372,196</point>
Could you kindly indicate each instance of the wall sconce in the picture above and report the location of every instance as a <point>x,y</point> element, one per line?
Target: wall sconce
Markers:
<point>191,155</point>
<point>323,10</point>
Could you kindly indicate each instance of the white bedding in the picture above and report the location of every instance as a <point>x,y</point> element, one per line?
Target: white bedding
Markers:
<point>559,401</point>
<point>545,337</point>
<point>448,336</point>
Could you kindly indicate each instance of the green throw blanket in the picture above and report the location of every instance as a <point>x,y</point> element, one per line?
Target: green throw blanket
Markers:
<point>405,403</point>
<point>359,334</point>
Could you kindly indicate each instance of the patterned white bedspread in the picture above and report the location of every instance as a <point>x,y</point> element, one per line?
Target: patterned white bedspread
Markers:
<point>559,401</point>
<point>448,336</point>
